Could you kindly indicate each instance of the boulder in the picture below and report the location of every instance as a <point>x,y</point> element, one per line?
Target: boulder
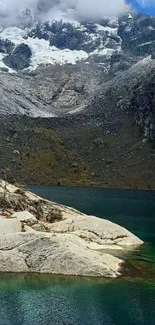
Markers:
<point>96,230</point>
<point>57,254</point>
<point>7,187</point>
<point>28,229</point>
<point>76,244</point>
<point>19,58</point>
<point>12,262</point>
<point>9,226</point>
<point>40,226</point>
<point>25,217</point>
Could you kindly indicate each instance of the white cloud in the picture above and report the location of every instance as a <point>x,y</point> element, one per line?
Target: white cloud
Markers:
<point>80,8</point>
<point>99,8</point>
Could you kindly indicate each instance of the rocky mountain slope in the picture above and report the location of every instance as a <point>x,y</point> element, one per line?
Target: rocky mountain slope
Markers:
<point>80,94</point>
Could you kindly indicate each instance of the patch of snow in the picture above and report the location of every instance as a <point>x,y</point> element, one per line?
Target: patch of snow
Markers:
<point>130,16</point>
<point>112,21</point>
<point>82,28</point>
<point>42,52</point>
<point>76,110</point>
<point>14,34</point>
<point>103,52</point>
<point>39,113</point>
<point>150,28</point>
<point>93,36</point>
<point>111,30</point>
<point>147,43</point>
<point>128,29</point>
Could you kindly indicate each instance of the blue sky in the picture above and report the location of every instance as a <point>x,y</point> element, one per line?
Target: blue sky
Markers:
<point>145,6</point>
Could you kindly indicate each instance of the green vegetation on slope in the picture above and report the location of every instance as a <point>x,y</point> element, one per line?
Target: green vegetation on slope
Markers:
<point>79,150</point>
<point>37,155</point>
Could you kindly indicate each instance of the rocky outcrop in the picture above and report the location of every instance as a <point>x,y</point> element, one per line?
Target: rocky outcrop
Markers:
<point>6,46</point>
<point>137,32</point>
<point>95,230</point>
<point>71,244</point>
<point>48,92</point>
<point>25,217</point>
<point>57,254</point>
<point>19,58</point>
<point>141,104</point>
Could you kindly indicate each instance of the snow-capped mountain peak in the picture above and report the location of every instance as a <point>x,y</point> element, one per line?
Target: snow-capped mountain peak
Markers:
<point>113,42</point>
<point>58,42</point>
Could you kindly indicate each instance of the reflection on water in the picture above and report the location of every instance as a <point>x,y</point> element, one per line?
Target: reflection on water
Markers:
<point>26,300</point>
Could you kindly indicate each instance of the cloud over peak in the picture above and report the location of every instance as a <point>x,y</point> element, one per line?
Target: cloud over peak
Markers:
<point>75,9</point>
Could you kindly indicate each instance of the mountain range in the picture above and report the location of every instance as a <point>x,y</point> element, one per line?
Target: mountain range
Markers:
<point>77,101</point>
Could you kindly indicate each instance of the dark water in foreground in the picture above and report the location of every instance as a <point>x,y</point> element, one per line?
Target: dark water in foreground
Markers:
<point>48,300</point>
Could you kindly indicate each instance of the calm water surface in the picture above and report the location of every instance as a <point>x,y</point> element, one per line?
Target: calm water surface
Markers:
<point>48,300</point>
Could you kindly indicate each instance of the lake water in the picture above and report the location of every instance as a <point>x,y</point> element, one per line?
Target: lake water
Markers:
<point>53,300</point>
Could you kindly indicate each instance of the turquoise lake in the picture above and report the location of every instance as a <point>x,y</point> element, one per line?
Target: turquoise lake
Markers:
<point>53,300</point>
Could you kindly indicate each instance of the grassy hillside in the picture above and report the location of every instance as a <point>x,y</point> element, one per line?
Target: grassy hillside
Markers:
<point>82,151</point>
<point>34,154</point>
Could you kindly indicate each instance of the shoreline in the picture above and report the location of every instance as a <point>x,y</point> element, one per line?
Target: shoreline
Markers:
<point>40,236</point>
<point>94,187</point>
